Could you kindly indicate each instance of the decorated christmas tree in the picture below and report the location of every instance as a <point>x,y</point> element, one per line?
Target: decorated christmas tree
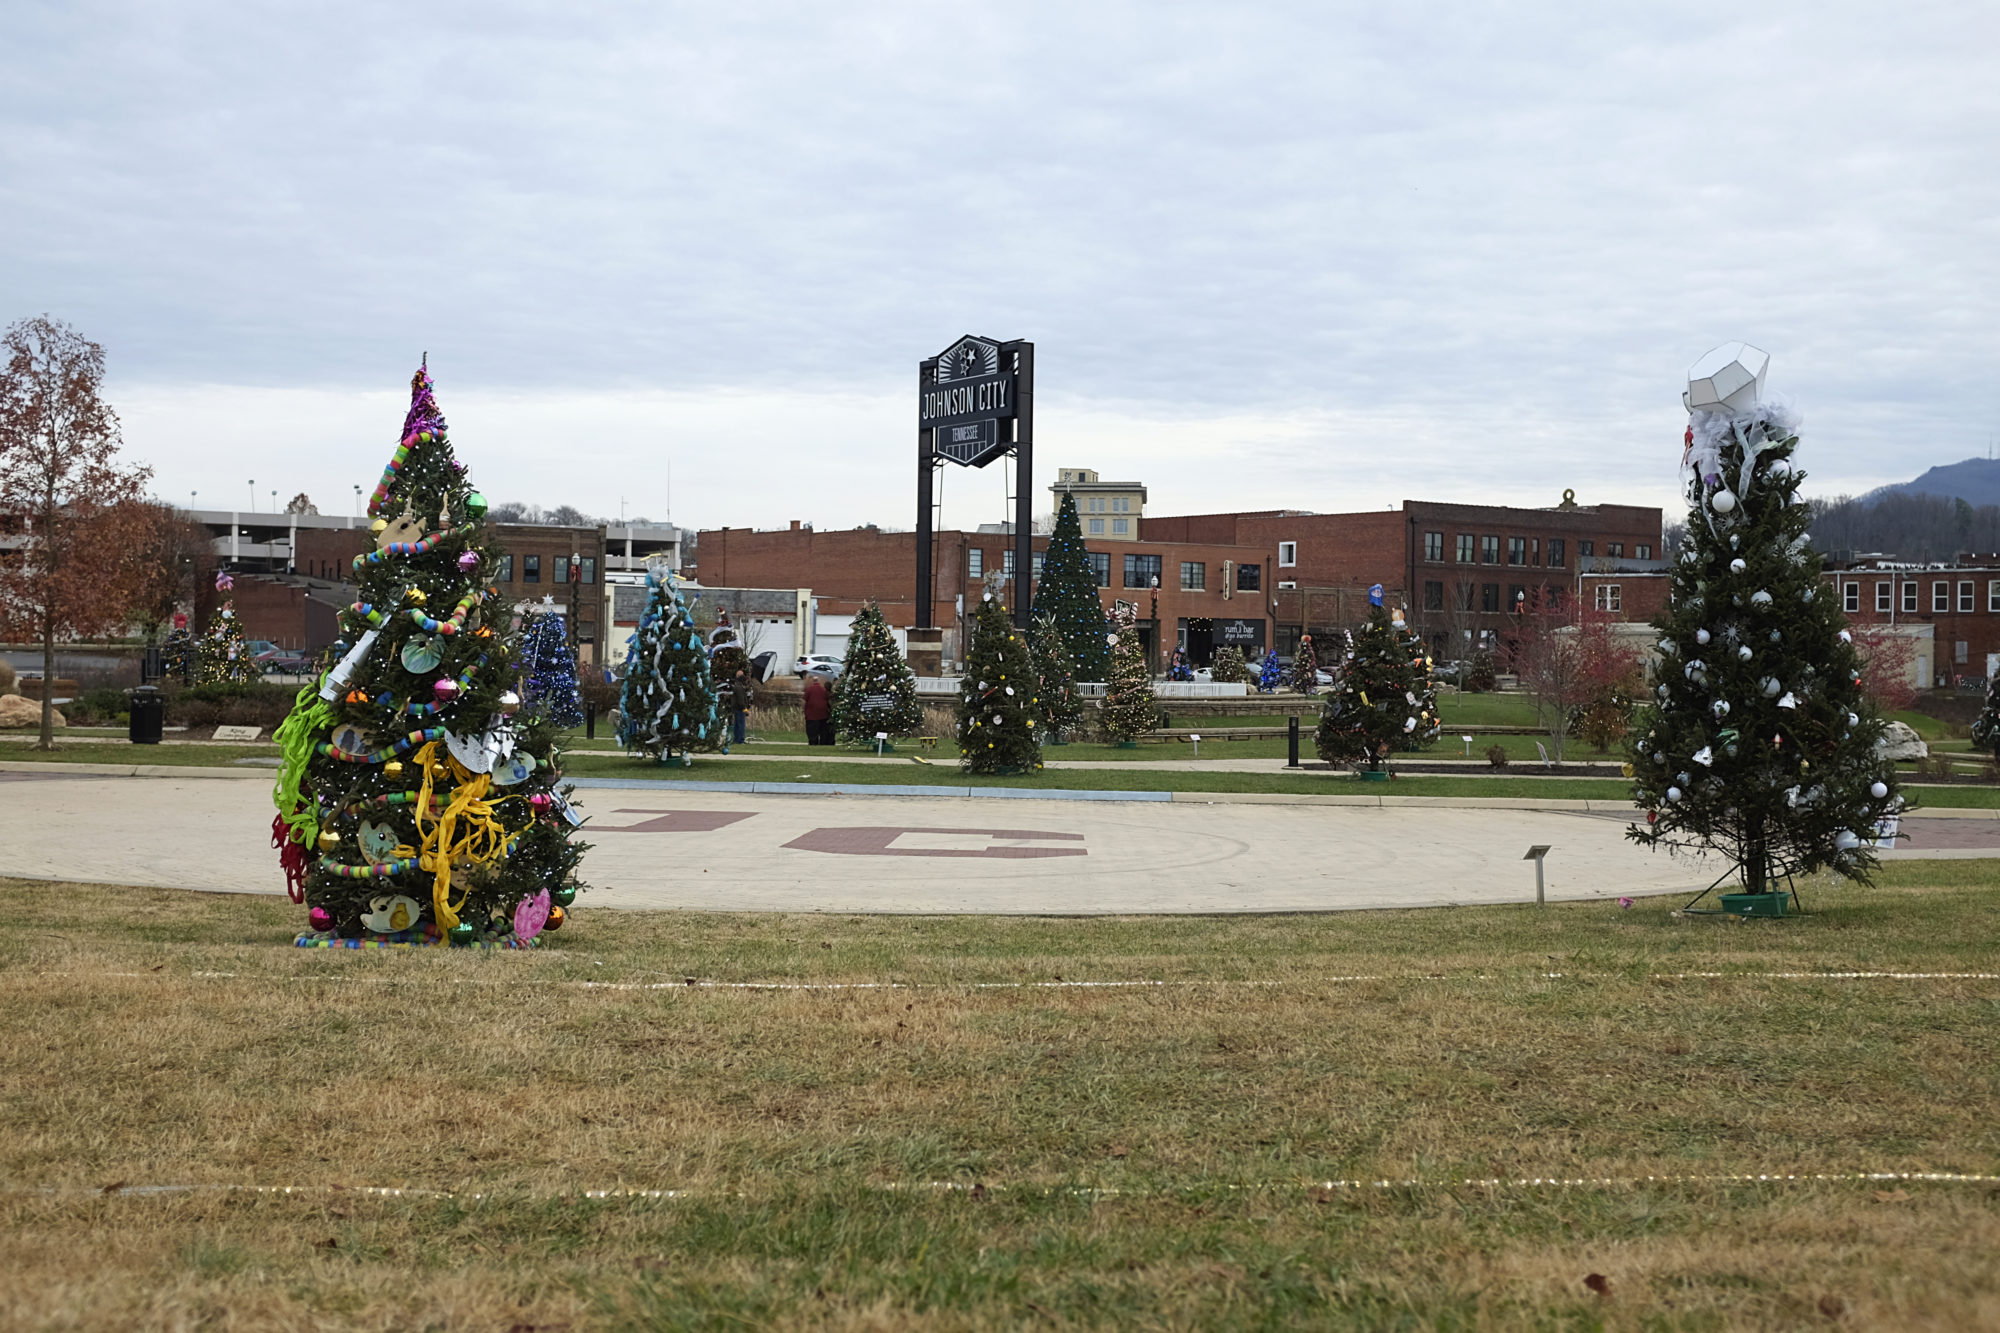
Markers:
<point>667,702</point>
<point>1129,709</point>
<point>223,654</point>
<point>1062,706</point>
<point>415,803</point>
<point>1178,668</point>
<point>179,655</point>
<point>1305,666</point>
<point>877,691</point>
<point>1271,676</point>
<point>999,708</point>
<point>1759,742</point>
<point>548,668</point>
<point>1228,667</point>
<point>1067,594</point>
<point>1986,727</point>
<point>1383,698</point>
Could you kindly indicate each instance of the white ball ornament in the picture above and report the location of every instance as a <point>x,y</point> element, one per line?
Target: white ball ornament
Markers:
<point>1673,793</point>
<point>1701,636</point>
<point>1720,708</point>
<point>1722,502</point>
<point>1846,840</point>
<point>1760,598</point>
<point>1737,566</point>
<point>1878,790</point>
<point>1744,654</point>
<point>1772,686</point>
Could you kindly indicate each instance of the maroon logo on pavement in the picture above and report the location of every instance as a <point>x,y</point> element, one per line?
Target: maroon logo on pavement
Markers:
<point>875,842</point>
<point>676,821</point>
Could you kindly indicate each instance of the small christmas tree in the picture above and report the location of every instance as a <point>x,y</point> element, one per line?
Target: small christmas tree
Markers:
<point>877,691</point>
<point>1129,709</point>
<point>1177,666</point>
<point>1067,594</point>
<point>1760,740</point>
<point>999,706</point>
<point>414,804</point>
<point>1384,698</point>
<point>224,654</point>
<point>548,668</point>
<point>667,702</point>
<point>1062,706</point>
<point>1228,667</point>
<point>1305,667</point>
<point>1272,675</point>
<point>179,655</point>
<point>1986,727</point>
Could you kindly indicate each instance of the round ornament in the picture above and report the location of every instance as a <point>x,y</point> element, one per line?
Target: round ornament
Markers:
<point>468,561</point>
<point>464,933</point>
<point>1878,790</point>
<point>379,525</point>
<point>1722,501</point>
<point>1737,566</point>
<point>1702,636</point>
<point>510,702</point>
<point>393,769</point>
<point>1673,793</point>
<point>1744,654</point>
<point>319,919</point>
<point>475,505</point>
<point>446,690</point>
<point>1760,598</point>
<point>562,897</point>
<point>328,840</point>
<point>556,918</point>
<point>417,597</point>
<point>421,653</point>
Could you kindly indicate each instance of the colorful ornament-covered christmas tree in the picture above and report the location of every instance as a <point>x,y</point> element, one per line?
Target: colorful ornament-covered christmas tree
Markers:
<point>224,654</point>
<point>1178,668</point>
<point>1271,676</point>
<point>414,805</point>
<point>1760,741</point>
<point>1384,698</point>
<point>999,707</point>
<point>877,691</point>
<point>667,701</point>
<point>549,686</point>
<point>1129,709</point>
<point>1067,594</point>
<point>1062,706</point>
<point>1986,727</point>
<point>1305,666</point>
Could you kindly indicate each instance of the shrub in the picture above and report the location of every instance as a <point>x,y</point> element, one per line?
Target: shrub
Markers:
<point>239,703</point>
<point>1496,755</point>
<point>96,708</point>
<point>1477,675</point>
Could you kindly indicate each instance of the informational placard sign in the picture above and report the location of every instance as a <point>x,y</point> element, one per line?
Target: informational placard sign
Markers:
<point>877,703</point>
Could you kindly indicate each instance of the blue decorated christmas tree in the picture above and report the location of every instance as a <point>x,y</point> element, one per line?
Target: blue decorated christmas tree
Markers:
<point>548,668</point>
<point>1272,676</point>
<point>667,703</point>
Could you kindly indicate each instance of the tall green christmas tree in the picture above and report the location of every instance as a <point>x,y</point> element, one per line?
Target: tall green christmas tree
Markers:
<point>223,655</point>
<point>877,691</point>
<point>1129,709</point>
<point>999,707</point>
<point>413,804</point>
<point>1760,740</point>
<point>1305,666</point>
<point>1383,698</point>
<point>667,701</point>
<point>1062,706</point>
<point>1067,595</point>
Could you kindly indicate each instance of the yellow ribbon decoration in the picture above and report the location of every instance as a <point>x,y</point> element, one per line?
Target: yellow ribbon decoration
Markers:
<point>464,830</point>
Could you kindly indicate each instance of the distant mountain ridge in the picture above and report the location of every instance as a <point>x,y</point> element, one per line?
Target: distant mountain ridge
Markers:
<point>1975,481</point>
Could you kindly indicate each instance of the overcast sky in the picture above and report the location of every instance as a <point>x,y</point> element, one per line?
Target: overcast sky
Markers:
<point>1315,256</point>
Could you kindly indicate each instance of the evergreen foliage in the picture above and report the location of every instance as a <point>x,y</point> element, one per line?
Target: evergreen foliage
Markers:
<point>179,654</point>
<point>1383,697</point>
<point>404,782</point>
<point>224,654</point>
<point>1271,676</point>
<point>1986,727</point>
<point>876,691</point>
<point>999,707</point>
<point>667,701</point>
<point>1067,594</point>
<point>1228,667</point>
<point>1178,667</point>
<point>1760,741</point>
<point>1061,705</point>
<point>549,685</point>
<point>1305,666</point>
<point>1130,709</point>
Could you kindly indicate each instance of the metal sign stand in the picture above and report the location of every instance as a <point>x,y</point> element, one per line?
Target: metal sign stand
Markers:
<point>1010,429</point>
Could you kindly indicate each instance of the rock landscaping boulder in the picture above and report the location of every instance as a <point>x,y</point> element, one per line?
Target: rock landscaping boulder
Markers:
<point>1900,741</point>
<point>19,711</point>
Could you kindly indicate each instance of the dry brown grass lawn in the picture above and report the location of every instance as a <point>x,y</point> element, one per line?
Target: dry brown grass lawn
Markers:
<point>968,1153</point>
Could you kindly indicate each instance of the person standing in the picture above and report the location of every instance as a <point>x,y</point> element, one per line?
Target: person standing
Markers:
<point>819,711</point>
<point>741,696</point>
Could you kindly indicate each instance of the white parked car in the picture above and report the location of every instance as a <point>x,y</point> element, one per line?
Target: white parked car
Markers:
<point>819,664</point>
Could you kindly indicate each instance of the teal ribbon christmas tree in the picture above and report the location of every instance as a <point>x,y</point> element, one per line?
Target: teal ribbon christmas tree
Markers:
<point>667,701</point>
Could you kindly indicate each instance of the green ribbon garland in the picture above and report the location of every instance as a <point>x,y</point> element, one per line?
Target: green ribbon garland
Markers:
<point>310,717</point>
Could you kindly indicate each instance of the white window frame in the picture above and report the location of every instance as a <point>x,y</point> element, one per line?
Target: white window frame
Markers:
<point>1609,597</point>
<point>1940,597</point>
<point>1097,527</point>
<point>1960,649</point>
<point>1993,595</point>
<point>1885,597</point>
<point>975,562</point>
<point>1966,597</point>
<point>1850,597</point>
<point>1288,554</point>
<point>1910,595</point>
<point>1120,526</point>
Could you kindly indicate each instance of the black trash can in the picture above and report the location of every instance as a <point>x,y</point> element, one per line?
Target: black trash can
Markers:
<point>149,715</point>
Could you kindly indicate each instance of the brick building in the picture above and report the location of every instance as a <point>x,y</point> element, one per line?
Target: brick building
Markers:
<point>1207,593</point>
<point>1459,568</point>
<point>1959,602</point>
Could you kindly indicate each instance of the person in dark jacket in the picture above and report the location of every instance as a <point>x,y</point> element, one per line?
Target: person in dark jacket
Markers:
<point>819,711</point>
<point>740,697</point>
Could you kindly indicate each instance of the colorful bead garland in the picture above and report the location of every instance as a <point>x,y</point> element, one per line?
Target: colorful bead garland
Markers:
<point>422,547</point>
<point>395,465</point>
<point>381,756</point>
<point>374,870</point>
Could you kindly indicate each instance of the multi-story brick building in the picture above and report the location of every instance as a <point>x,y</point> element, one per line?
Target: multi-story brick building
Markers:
<point>1958,601</point>
<point>1459,568</point>
<point>1195,594</point>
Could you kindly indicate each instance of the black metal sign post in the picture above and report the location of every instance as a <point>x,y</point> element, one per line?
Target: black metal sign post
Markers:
<point>976,403</point>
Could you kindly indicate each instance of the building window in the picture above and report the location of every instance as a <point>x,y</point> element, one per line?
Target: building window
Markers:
<point>1466,594</point>
<point>1120,505</point>
<point>1097,504</point>
<point>1433,546</point>
<point>1489,597</point>
<point>531,569</point>
<point>1585,550</point>
<point>1965,597</point>
<point>1141,570</point>
<point>505,573</point>
<point>1489,550</point>
<point>1100,568</point>
<point>1993,595</point>
<point>1097,527</point>
<point>1433,596</point>
<point>1851,597</point>
<point>1517,550</point>
<point>1120,526</point>
<point>1643,551</point>
<point>1194,576</point>
<point>1614,550</point>
<point>1035,565</point>
<point>1517,597</point>
<point>1555,596</point>
<point>975,562</point>
<point>1608,598</point>
<point>1556,553</point>
<point>1884,598</point>
<point>1464,548</point>
<point>1940,597</point>
<point>1910,599</point>
<point>590,569</point>
<point>1249,578</point>
<point>1958,652</point>
<point>1288,554</point>
<point>1007,562</point>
